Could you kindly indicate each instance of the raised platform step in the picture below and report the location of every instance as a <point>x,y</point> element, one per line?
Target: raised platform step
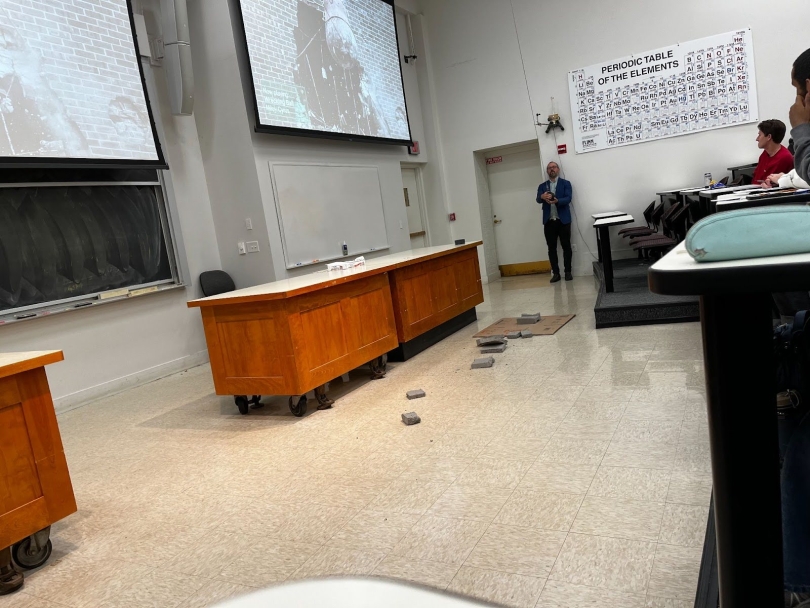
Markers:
<point>632,302</point>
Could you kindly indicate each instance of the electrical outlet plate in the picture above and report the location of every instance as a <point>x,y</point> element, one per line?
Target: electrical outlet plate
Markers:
<point>253,246</point>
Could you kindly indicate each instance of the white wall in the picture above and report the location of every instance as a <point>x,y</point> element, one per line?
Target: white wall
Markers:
<point>478,79</point>
<point>434,177</point>
<point>225,130</point>
<point>117,345</point>
<point>482,98</point>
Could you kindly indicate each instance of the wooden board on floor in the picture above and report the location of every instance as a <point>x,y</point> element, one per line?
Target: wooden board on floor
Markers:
<point>546,326</point>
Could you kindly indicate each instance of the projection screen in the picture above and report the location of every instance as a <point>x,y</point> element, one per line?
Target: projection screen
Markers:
<point>71,87</point>
<point>326,68</point>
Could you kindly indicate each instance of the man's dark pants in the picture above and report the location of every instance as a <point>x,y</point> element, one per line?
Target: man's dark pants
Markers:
<point>555,229</point>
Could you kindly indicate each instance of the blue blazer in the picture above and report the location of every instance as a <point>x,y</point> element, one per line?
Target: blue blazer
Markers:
<point>563,194</point>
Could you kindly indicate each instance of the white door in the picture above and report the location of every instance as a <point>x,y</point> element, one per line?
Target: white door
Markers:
<point>518,218</point>
<point>413,205</point>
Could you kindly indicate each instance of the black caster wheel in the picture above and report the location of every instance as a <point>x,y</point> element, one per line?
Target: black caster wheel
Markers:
<point>298,407</point>
<point>242,403</point>
<point>256,402</point>
<point>28,557</point>
<point>378,367</point>
<point>11,579</point>
<point>324,402</point>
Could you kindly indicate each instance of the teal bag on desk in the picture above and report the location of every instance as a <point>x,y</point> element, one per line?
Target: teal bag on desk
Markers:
<point>750,233</point>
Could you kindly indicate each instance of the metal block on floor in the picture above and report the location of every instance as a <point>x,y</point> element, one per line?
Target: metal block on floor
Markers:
<point>410,418</point>
<point>415,394</point>
<point>493,349</point>
<point>483,362</point>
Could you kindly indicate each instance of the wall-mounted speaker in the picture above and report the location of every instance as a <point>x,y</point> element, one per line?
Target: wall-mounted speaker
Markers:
<point>177,59</point>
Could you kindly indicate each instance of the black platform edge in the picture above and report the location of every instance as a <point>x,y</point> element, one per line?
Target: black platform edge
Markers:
<point>409,349</point>
<point>641,314</point>
<point>708,589</point>
<point>646,316</point>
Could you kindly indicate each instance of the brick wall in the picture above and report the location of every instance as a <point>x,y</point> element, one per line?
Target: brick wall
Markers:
<point>269,27</point>
<point>88,59</point>
<point>373,25</point>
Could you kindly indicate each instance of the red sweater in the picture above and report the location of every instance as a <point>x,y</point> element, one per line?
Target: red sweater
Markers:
<point>781,162</point>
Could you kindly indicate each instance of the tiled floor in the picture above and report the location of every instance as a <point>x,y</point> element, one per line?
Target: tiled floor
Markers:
<point>575,473</point>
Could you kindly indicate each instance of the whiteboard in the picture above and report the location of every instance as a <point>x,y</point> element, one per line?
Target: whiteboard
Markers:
<point>676,90</point>
<point>322,206</point>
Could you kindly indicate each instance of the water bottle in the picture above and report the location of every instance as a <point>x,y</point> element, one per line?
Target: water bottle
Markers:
<point>707,179</point>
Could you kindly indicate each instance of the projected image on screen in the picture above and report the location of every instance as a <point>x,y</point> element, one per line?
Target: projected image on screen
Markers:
<point>70,86</point>
<point>327,65</point>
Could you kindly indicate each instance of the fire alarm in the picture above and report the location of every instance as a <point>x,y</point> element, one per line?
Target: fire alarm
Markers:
<point>452,217</point>
<point>413,149</point>
<point>562,149</point>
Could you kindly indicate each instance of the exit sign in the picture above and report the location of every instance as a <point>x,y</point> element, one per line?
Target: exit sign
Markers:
<point>495,160</point>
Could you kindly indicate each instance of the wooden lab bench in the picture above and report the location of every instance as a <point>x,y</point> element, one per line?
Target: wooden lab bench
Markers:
<point>293,336</point>
<point>35,488</point>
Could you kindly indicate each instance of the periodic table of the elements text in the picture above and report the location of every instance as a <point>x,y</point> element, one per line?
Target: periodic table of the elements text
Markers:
<point>685,88</point>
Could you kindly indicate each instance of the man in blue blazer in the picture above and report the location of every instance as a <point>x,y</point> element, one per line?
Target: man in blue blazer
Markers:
<point>555,196</point>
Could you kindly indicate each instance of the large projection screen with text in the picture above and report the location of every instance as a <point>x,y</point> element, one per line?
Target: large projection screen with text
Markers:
<point>71,88</point>
<point>326,68</point>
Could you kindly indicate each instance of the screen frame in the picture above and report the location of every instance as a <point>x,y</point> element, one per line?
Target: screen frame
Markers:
<point>15,162</point>
<point>259,127</point>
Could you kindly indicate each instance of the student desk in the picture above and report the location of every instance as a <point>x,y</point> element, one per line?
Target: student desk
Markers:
<point>674,195</point>
<point>735,312</point>
<point>600,216</point>
<point>774,198</point>
<point>602,227</point>
<point>747,170</point>
<point>604,214</point>
<point>709,196</point>
<point>35,488</point>
<point>295,335</point>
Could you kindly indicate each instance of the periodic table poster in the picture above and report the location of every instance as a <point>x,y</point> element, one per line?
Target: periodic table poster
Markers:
<point>676,90</point>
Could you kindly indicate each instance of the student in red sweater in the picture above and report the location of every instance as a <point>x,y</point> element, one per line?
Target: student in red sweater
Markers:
<point>775,157</point>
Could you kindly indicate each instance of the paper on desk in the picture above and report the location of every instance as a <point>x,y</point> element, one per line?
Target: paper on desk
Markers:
<point>361,261</point>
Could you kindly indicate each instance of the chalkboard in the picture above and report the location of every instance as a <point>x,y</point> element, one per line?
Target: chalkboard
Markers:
<point>322,206</point>
<point>60,242</point>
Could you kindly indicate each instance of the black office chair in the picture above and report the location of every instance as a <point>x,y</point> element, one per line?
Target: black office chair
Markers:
<point>213,283</point>
<point>636,240</point>
<point>676,227</point>
<point>648,229</point>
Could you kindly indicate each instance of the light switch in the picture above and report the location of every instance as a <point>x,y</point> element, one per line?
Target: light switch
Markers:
<point>242,248</point>
<point>249,223</point>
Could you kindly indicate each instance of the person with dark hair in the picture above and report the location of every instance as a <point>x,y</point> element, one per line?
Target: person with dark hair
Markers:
<point>775,157</point>
<point>800,114</point>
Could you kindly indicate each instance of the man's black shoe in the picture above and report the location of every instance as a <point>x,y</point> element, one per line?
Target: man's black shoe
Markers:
<point>554,278</point>
<point>569,276</point>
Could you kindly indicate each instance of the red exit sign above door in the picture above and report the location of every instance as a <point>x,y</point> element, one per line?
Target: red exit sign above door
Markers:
<point>495,160</point>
